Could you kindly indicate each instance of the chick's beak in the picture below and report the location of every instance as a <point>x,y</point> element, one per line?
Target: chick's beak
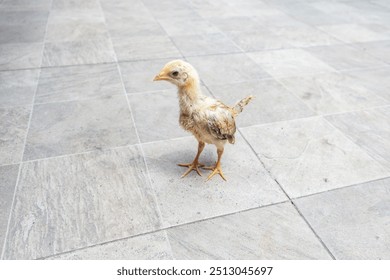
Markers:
<point>160,77</point>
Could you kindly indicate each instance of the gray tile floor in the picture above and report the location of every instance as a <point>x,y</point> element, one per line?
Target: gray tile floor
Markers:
<point>89,144</point>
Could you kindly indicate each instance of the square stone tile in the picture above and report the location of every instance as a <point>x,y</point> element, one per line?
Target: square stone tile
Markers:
<point>78,82</point>
<point>17,87</point>
<point>258,40</point>
<point>76,31</point>
<point>352,33</point>
<point>221,69</point>
<point>309,155</point>
<point>304,36</point>
<point>25,16</point>
<point>78,52</point>
<point>289,62</point>
<point>184,26</point>
<point>154,246</point>
<point>138,75</point>
<point>183,200</point>
<point>13,129</point>
<point>370,129</point>
<point>79,126</point>
<point>26,4</point>
<point>272,102</point>
<point>332,93</point>
<point>375,80</point>
<point>8,177</point>
<point>145,47</point>
<point>20,56</point>
<point>130,26</point>
<point>13,34</point>
<point>206,44</point>
<point>272,232</point>
<point>64,16</point>
<point>380,49</point>
<point>75,5</point>
<point>237,24</point>
<point>344,57</point>
<point>159,120</point>
<point>353,222</point>
<point>71,202</point>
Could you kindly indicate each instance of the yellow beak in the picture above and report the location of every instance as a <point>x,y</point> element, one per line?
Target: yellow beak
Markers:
<point>162,76</point>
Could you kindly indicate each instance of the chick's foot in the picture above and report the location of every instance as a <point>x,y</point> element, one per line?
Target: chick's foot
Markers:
<point>191,166</point>
<point>217,169</point>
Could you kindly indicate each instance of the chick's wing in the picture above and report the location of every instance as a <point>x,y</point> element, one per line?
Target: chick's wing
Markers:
<point>220,121</point>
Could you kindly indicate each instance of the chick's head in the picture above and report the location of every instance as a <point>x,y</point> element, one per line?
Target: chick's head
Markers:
<point>179,73</point>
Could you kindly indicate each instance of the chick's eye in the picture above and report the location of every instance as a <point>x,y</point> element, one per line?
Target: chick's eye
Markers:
<point>175,73</point>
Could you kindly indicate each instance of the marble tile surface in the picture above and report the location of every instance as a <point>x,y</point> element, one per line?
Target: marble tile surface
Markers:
<point>217,69</point>
<point>258,40</point>
<point>374,79</point>
<point>78,82</point>
<point>183,200</point>
<point>345,57</point>
<point>205,44</point>
<point>273,232</point>
<point>18,87</point>
<point>353,33</point>
<point>26,16</point>
<point>8,177</point>
<point>145,48</point>
<point>22,33</point>
<point>353,222</point>
<point>289,62</point>
<point>370,129</point>
<point>20,56</point>
<point>130,26</point>
<point>309,155</point>
<point>13,129</point>
<point>78,126</point>
<point>304,36</point>
<point>379,49</point>
<point>272,102</point>
<point>71,202</point>
<point>152,246</point>
<point>156,115</point>
<point>333,93</point>
<point>184,26</point>
<point>78,52</point>
<point>76,31</point>
<point>75,5</point>
<point>138,75</point>
<point>26,4</point>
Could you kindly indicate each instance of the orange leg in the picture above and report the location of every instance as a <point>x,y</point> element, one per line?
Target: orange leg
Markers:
<point>195,164</point>
<point>217,168</point>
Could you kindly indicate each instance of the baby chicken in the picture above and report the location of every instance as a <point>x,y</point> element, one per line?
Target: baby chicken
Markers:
<point>209,120</point>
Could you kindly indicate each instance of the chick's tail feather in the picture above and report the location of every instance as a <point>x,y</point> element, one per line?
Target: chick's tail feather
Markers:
<point>239,106</point>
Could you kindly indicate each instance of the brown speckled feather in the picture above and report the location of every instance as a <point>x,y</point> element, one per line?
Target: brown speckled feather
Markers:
<point>220,121</point>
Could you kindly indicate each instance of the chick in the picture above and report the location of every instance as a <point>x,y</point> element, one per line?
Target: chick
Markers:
<point>209,120</point>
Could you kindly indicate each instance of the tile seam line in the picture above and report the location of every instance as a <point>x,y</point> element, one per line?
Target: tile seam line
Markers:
<point>152,190</point>
<point>346,136</point>
<point>170,227</point>
<point>386,65</point>
<point>340,188</point>
<point>24,146</point>
<point>289,198</point>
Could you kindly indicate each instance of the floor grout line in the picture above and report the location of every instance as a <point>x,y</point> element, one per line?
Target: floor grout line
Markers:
<point>172,227</point>
<point>23,151</point>
<point>215,217</point>
<point>158,210</point>
<point>287,195</point>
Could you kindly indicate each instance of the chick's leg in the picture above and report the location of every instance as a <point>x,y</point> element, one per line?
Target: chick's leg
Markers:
<point>217,168</point>
<point>195,164</point>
